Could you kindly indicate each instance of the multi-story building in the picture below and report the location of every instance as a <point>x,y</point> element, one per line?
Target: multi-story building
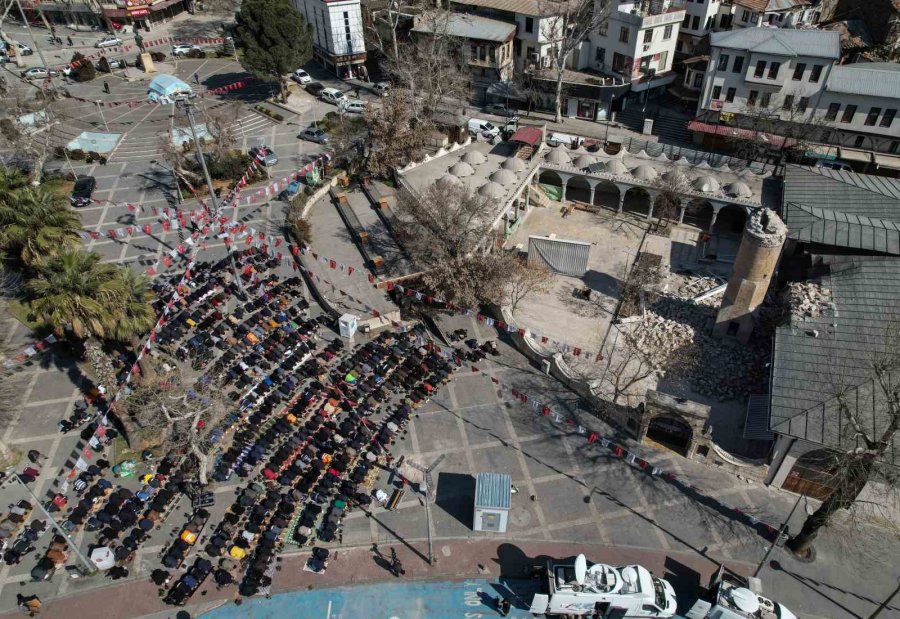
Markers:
<point>487,46</point>
<point>773,13</point>
<point>112,14</point>
<point>700,18</point>
<point>337,29</point>
<point>791,78</point>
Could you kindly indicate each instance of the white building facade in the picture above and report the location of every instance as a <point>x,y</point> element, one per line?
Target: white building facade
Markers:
<point>337,29</point>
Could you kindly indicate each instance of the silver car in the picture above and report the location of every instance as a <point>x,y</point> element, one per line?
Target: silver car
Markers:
<point>108,42</point>
<point>183,49</point>
<point>313,134</point>
<point>38,73</point>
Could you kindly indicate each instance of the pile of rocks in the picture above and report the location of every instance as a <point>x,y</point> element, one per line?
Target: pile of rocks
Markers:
<point>674,333</point>
<point>808,299</point>
<point>694,286</point>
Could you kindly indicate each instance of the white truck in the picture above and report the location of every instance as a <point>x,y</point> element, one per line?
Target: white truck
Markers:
<point>735,597</point>
<point>603,591</point>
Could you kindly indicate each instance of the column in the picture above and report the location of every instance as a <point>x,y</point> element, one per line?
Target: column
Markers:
<point>650,210</point>
<point>565,182</point>
<point>681,209</point>
<point>621,201</point>
<point>713,220</point>
<point>593,187</point>
<point>527,195</point>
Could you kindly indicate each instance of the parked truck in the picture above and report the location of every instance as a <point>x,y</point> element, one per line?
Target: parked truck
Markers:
<point>736,597</point>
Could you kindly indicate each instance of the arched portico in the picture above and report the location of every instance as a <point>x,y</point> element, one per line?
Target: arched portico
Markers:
<point>639,200</point>
<point>728,219</point>
<point>606,194</point>
<point>580,188</point>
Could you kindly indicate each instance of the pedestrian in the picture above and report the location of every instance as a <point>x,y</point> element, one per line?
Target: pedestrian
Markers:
<point>533,497</point>
<point>69,41</point>
<point>34,455</point>
<point>505,606</point>
<point>30,604</point>
<point>106,87</point>
<point>197,77</point>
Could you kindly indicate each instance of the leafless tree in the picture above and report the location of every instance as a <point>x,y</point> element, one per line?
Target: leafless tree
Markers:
<point>27,129</point>
<point>525,280</point>
<point>569,26</point>
<point>223,128</point>
<point>395,135</point>
<point>870,407</point>
<point>671,188</point>
<point>12,388</point>
<point>383,23</point>
<point>176,415</point>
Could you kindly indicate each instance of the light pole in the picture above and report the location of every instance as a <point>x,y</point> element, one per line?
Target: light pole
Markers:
<point>778,537</point>
<point>102,117</point>
<point>608,119</point>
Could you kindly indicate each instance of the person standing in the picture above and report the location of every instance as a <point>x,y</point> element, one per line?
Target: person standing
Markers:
<point>106,87</point>
<point>69,41</point>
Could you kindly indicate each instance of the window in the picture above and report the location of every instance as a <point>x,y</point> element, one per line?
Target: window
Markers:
<point>698,80</point>
<point>760,68</point>
<point>729,95</point>
<point>738,65</point>
<point>858,142</point>
<point>751,98</point>
<point>604,27</point>
<point>788,102</point>
<point>894,147</point>
<point>745,16</point>
<point>832,112</point>
<point>648,35</point>
<point>667,32</point>
<point>601,55</point>
<point>798,71</point>
<point>621,63</point>
<point>529,24</point>
<point>888,118</point>
<point>803,104</point>
<point>624,34</point>
<point>849,111</point>
<point>696,22</point>
<point>773,70</point>
<point>723,62</point>
<point>766,99</point>
<point>687,22</point>
<point>717,92</point>
<point>709,23</point>
<point>815,73</point>
<point>754,18</point>
<point>872,118</point>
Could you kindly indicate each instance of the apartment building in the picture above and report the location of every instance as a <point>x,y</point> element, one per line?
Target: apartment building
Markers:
<point>700,18</point>
<point>773,13</point>
<point>486,46</point>
<point>337,28</point>
<point>793,77</point>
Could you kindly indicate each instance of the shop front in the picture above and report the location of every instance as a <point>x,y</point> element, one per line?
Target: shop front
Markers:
<point>144,14</point>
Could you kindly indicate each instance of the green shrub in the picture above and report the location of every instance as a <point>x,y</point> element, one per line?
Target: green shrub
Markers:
<point>77,154</point>
<point>278,117</point>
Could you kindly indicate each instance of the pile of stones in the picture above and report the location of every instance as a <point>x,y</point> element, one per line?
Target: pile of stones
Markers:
<point>808,299</point>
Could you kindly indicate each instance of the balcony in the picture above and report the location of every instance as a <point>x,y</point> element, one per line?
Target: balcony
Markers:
<point>644,19</point>
<point>487,63</point>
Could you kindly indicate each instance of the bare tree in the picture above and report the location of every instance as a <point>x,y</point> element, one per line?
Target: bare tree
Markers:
<point>223,127</point>
<point>671,188</point>
<point>395,135</point>
<point>12,388</point>
<point>27,129</point>
<point>449,230</point>
<point>525,280</point>
<point>383,21</point>
<point>870,408</point>
<point>569,26</point>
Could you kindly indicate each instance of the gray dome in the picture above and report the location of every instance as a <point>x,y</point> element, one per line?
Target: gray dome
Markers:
<point>503,177</point>
<point>739,189</point>
<point>513,164</point>
<point>616,167</point>
<point>461,168</point>
<point>706,184</point>
<point>583,161</point>
<point>644,173</point>
<point>449,179</point>
<point>492,190</point>
<point>473,157</point>
<point>557,156</point>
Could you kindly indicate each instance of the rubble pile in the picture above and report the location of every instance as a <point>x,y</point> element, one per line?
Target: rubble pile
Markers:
<point>693,286</point>
<point>673,329</point>
<point>808,299</point>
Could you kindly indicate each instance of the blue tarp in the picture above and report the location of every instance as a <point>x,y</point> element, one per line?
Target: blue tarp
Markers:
<point>164,87</point>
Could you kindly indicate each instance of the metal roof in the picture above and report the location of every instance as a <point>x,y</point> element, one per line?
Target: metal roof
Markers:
<point>493,490</point>
<point>876,79</point>
<point>465,26</point>
<point>780,42</point>
<point>816,359</point>
<point>522,7</point>
<point>756,424</point>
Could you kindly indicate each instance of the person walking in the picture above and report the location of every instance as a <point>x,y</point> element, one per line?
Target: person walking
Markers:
<point>396,566</point>
<point>106,87</point>
<point>69,41</point>
<point>197,78</point>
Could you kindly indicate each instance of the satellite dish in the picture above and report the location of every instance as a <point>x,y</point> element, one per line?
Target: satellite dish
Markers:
<point>580,569</point>
<point>630,575</point>
<point>745,600</point>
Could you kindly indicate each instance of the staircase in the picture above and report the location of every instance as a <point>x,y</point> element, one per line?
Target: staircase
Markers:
<point>538,197</point>
<point>669,125</point>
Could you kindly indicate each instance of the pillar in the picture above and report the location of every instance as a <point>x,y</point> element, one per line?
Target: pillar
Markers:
<point>591,199</point>
<point>681,210</point>
<point>565,183</point>
<point>650,209</point>
<point>621,201</point>
<point>712,221</point>
<point>527,196</point>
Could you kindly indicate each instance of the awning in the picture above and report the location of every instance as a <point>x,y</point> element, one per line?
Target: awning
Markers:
<point>163,5</point>
<point>727,131</point>
<point>887,161</point>
<point>821,151</point>
<point>854,154</point>
<point>528,135</point>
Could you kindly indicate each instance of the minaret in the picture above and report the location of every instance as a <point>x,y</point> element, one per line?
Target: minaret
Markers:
<point>756,260</point>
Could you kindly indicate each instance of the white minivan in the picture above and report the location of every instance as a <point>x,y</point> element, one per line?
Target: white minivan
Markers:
<point>483,128</point>
<point>333,95</point>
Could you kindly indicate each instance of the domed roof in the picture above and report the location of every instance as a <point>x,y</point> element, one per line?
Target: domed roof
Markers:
<point>706,184</point>
<point>492,190</point>
<point>739,189</point>
<point>504,177</point>
<point>449,179</point>
<point>461,168</point>
<point>473,157</point>
<point>513,164</point>
<point>644,173</point>
<point>557,156</point>
<point>583,161</point>
<point>616,167</point>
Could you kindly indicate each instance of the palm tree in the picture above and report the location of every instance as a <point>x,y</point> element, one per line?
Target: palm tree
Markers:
<point>78,296</point>
<point>35,225</point>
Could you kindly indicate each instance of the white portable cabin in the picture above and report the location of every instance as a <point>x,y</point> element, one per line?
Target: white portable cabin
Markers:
<point>493,500</point>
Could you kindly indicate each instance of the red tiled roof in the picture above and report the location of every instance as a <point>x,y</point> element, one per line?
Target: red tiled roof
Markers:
<point>528,135</point>
<point>776,141</point>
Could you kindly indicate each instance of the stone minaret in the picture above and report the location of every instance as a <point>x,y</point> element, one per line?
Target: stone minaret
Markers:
<point>756,260</point>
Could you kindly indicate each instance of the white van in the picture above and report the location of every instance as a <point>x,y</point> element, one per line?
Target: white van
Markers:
<point>484,128</point>
<point>333,95</point>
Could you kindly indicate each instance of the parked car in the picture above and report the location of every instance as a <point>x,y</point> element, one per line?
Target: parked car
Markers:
<point>484,128</point>
<point>301,77</point>
<point>23,50</point>
<point>833,165</point>
<point>314,88</point>
<point>183,49</point>
<point>314,134</point>
<point>381,88</point>
<point>83,190</point>
<point>356,106</point>
<point>38,73</point>
<point>333,95</point>
<point>264,155</point>
<point>108,42</point>
<point>110,64</point>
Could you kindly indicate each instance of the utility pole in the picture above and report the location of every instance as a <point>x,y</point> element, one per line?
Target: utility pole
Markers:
<point>426,490</point>
<point>187,102</point>
<point>88,564</point>
<point>36,46</point>
<point>784,525</point>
